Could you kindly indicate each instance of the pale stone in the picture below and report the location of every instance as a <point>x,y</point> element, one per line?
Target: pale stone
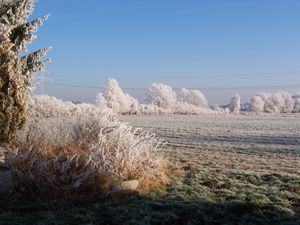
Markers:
<point>131,185</point>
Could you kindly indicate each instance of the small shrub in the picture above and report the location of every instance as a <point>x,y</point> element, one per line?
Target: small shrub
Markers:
<point>66,160</point>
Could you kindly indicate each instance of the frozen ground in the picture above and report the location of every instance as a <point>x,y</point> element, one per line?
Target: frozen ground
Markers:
<point>235,170</point>
<point>264,144</point>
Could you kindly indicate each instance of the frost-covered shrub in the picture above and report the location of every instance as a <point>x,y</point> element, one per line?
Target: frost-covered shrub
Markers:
<point>245,107</point>
<point>186,108</point>
<point>100,101</point>
<point>48,106</point>
<point>193,97</point>
<point>256,104</point>
<point>220,110</point>
<point>180,108</point>
<point>70,159</point>
<point>151,109</point>
<point>280,102</point>
<point>115,99</point>
<point>296,98</point>
<point>235,104</point>
<point>161,95</point>
<point>288,104</point>
<point>189,109</point>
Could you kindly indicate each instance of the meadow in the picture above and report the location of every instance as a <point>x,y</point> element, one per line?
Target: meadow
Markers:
<point>172,159</point>
<point>225,169</point>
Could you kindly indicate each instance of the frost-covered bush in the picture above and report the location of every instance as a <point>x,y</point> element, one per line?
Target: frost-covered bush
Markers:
<point>193,97</point>
<point>280,102</point>
<point>256,104</point>
<point>189,109</point>
<point>180,108</point>
<point>161,95</point>
<point>151,109</point>
<point>163,100</point>
<point>48,106</point>
<point>67,159</point>
<point>296,98</point>
<point>235,104</point>
<point>115,99</point>
<point>289,102</point>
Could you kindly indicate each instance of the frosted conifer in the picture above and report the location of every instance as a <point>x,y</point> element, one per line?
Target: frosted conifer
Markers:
<point>16,80</point>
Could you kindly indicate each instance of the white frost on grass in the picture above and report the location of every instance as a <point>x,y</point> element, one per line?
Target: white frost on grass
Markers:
<point>231,142</point>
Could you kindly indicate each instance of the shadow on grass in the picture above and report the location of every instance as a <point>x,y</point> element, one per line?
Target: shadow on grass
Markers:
<point>142,210</point>
<point>199,197</point>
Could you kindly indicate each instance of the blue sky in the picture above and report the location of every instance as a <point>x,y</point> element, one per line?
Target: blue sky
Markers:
<point>222,47</point>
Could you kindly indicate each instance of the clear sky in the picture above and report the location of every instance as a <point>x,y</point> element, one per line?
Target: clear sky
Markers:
<point>222,47</point>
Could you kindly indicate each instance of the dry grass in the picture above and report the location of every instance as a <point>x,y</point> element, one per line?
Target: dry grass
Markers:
<point>62,160</point>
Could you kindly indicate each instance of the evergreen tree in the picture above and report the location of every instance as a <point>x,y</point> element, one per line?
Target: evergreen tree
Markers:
<point>16,72</point>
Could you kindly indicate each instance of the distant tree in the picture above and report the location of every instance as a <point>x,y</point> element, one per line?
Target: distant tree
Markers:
<point>296,98</point>
<point>279,102</point>
<point>16,69</point>
<point>257,104</point>
<point>193,97</point>
<point>161,95</point>
<point>114,98</point>
<point>235,104</point>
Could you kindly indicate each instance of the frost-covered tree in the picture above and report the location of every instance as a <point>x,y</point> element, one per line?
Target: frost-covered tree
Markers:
<point>193,97</point>
<point>256,104</point>
<point>280,102</point>
<point>161,95</point>
<point>296,98</point>
<point>115,99</point>
<point>16,69</point>
<point>288,103</point>
<point>235,104</point>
